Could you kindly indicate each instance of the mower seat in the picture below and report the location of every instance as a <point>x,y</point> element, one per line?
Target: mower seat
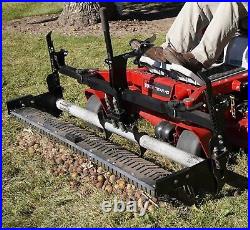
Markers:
<point>236,52</point>
<point>178,72</point>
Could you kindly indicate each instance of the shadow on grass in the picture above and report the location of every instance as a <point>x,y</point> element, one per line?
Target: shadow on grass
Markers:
<point>151,11</point>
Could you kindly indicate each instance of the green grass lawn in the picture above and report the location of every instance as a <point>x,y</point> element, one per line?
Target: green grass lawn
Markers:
<point>20,10</point>
<point>32,197</point>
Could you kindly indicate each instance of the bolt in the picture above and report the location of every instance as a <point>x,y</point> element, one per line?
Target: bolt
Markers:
<point>215,151</point>
<point>187,176</point>
<point>216,110</point>
<point>187,100</point>
<point>221,142</point>
<point>176,181</point>
<point>220,136</point>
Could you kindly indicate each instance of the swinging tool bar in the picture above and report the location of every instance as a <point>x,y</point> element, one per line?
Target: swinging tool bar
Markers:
<point>162,148</point>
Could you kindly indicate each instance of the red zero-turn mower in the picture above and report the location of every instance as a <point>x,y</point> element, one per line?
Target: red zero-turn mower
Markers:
<point>199,118</point>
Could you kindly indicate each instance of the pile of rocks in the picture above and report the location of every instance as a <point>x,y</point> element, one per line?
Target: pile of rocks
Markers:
<point>62,161</point>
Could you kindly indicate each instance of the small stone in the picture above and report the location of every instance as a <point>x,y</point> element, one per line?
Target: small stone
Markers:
<point>44,141</point>
<point>69,161</point>
<point>76,164</point>
<point>61,173</point>
<point>85,172</point>
<point>74,175</point>
<point>71,168</point>
<point>138,194</point>
<point>162,204</point>
<point>112,179</point>
<point>140,203</point>
<point>100,170</point>
<point>101,178</point>
<point>30,143</point>
<point>79,169</point>
<point>66,165</point>
<point>86,179</point>
<point>151,208</point>
<point>136,214</point>
<point>129,187</point>
<point>59,160</point>
<point>92,172</point>
<point>123,195</point>
<point>61,150</point>
<point>31,150</point>
<point>116,186</point>
<point>131,197</point>
<point>99,184</point>
<point>51,170</point>
<point>39,150</point>
<point>73,184</point>
<point>121,184</point>
<point>21,143</point>
<point>104,184</point>
<point>81,161</point>
<point>53,150</point>
<point>36,146</point>
<point>130,193</point>
<point>108,188</point>
<point>64,157</point>
<point>108,174</point>
<point>56,173</point>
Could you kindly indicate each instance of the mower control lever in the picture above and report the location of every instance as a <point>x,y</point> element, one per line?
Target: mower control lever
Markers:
<point>105,28</point>
<point>140,47</point>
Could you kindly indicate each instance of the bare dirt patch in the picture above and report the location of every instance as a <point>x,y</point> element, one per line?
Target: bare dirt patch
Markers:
<point>44,24</point>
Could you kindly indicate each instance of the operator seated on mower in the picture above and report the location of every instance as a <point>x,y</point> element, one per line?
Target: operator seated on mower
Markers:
<point>186,44</point>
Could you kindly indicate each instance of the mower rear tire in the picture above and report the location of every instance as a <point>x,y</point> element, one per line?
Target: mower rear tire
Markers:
<point>189,143</point>
<point>94,104</point>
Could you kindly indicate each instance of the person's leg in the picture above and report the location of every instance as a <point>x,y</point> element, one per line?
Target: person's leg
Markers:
<point>219,32</point>
<point>186,31</point>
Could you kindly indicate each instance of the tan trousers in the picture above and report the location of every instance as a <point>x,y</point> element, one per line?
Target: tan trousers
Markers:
<point>220,19</point>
